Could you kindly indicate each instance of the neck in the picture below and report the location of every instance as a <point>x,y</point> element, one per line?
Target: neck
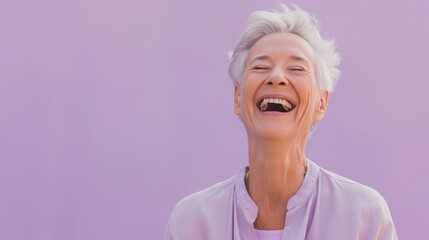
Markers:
<point>276,172</point>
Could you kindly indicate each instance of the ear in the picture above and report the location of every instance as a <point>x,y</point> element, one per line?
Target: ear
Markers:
<point>237,100</point>
<point>322,105</point>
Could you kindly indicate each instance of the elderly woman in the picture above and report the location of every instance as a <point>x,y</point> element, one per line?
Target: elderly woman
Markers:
<point>283,72</point>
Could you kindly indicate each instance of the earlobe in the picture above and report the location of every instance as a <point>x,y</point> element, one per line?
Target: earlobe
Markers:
<point>237,100</point>
<point>323,105</point>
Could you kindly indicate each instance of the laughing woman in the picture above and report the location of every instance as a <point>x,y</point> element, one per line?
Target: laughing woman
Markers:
<point>283,73</point>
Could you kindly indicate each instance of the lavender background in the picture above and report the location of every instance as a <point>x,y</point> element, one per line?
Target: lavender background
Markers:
<point>112,111</point>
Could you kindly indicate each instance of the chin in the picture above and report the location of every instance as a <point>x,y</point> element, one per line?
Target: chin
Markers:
<point>279,134</point>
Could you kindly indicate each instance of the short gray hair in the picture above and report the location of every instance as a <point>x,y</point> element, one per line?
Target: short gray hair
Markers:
<point>296,21</point>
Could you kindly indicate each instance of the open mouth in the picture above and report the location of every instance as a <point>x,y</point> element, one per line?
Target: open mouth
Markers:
<point>275,105</point>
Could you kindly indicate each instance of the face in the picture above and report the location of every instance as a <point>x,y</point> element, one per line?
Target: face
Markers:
<point>278,95</point>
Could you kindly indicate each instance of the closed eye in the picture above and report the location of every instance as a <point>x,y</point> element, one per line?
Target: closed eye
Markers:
<point>260,67</point>
<point>299,69</point>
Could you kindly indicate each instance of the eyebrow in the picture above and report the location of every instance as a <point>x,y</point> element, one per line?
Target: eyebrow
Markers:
<point>292,57</point>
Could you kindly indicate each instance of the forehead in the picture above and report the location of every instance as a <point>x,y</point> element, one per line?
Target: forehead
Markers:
<point>281,45</point>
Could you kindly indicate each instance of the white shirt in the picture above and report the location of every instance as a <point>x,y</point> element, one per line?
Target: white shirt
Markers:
<point>326,206</point>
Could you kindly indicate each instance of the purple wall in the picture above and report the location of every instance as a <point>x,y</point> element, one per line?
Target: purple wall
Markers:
<point>112,111</point>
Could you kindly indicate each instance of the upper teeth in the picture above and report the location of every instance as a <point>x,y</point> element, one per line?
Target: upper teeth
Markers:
<point>285,103</point>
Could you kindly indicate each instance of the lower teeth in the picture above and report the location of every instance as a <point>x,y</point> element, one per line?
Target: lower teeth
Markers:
<point>286,108</point>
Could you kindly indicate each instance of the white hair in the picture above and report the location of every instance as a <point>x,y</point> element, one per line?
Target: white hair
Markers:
<point>296,21</point>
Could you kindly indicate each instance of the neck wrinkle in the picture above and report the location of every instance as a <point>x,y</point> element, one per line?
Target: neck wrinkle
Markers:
<point>276,172</point>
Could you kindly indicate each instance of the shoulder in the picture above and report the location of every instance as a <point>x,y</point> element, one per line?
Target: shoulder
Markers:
<point>195,215</point>
<point>212,196</point>
<point>362,205</point>
<point>349,190</point>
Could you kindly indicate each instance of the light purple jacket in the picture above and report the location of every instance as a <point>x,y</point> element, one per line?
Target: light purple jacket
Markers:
<point>327,207</point>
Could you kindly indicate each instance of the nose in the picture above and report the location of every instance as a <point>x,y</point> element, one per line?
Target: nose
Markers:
<point>277,78</point>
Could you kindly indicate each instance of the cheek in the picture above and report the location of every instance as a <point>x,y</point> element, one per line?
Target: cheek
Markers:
<point>308,98</point>
<point>248,90</point>
<point>306,88</point>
